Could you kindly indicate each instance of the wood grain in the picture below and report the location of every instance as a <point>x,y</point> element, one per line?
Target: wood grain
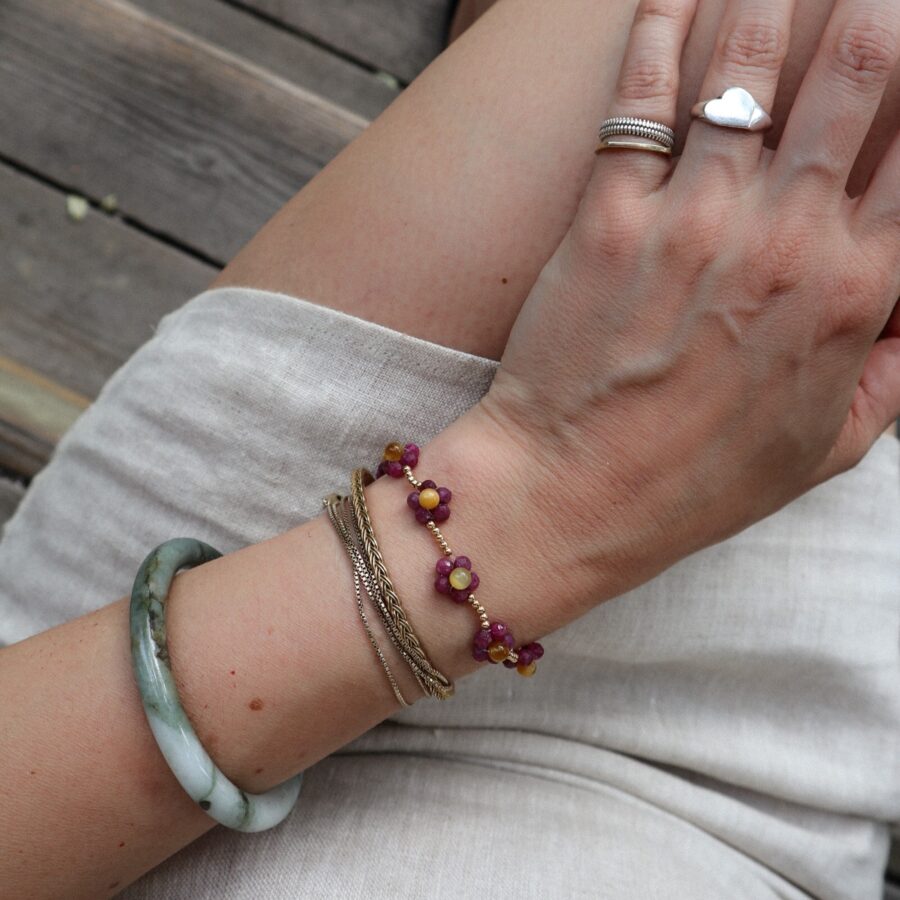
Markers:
<point>78,299</point>
<point>11,494</point>
<point>80,296</point>
<point>396,36</point>
<point>196,142</point>
<point>282,52</point>
<point>35,412</point>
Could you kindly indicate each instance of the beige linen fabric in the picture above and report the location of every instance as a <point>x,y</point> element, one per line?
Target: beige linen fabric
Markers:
<point>731,729</point>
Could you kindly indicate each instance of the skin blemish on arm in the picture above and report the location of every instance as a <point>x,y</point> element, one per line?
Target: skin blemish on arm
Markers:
<point>504,281</point>
<point>255,704</point>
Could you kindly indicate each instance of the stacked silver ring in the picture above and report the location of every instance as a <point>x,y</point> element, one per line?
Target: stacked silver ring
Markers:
<point>641,128</point>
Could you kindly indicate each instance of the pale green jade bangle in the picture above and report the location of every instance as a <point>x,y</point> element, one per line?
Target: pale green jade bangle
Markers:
<point>179,744</point>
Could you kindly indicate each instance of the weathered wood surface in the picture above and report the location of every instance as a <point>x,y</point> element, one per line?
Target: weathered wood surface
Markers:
<point>396,36</point>
<point>78,298</point>
<point>34,414</point>
<point>11,493</point>
<point>194,141</point>
<point>241,33</point>
<point>893,866</point>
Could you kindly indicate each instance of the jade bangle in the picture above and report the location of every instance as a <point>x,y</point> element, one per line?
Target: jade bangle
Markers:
<point>177,740</point>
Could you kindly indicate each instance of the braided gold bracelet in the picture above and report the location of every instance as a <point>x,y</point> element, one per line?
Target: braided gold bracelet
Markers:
<point>337,506</point>
<point>431,680</point>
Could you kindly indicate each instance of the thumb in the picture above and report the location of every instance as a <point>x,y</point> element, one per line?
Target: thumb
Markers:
<point>876,404</point>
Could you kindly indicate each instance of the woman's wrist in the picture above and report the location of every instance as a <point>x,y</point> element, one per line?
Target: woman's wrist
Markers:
<point>506,519</point>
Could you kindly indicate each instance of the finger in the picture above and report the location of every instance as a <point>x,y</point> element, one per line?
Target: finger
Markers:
<point>749,54</point>
<point>840,94</point>
<point>647,88</point>
<point>876,404</point>
<point>878,209</point>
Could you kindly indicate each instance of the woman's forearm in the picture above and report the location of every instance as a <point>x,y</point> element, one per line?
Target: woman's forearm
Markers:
<point>273,666</point>
<point>430,204</point>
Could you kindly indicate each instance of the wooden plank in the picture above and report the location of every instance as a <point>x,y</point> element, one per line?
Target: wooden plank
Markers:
<point>282,52</point>
<point>35,412</point>
<point>396,36</point>
<point>195,142</point>
<point>893,866</point>
<point>11,493</point>
<point>79,297</point>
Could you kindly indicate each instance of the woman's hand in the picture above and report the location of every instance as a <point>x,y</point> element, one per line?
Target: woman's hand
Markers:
<point>714,337</point>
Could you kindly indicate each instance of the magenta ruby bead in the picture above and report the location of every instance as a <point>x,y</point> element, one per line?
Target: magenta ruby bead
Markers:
<point>525,656</point>
<point>441,512</point>
<point>480,653</point>
<point>509,664</point>
<point>473,584</point>
<point>423,516</point>
<point>442,584</point>
<point>459,596</point>
<point>463,562</point>
<point>498,630</point>
<point>509,640</point>
<point>445,494</point>
<point>381,468</point>
<point>412,500</point>
<point>483,638</point>
<point>428,484</point>
<point>537,651</point>
<point>410,456</point>
<point>394,469</point>
<point>444,566</point>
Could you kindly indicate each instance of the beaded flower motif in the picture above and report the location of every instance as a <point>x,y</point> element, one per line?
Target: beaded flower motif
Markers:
<point>493,642</point>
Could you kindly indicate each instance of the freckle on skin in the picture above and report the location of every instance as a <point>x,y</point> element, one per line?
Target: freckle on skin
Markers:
<point>255,704</point>
<point>34,771</point>
<point>115,884</point>
<point>258,771</point>
<point>504,281</point>
<point>232,672</point>
<point>121,843</point>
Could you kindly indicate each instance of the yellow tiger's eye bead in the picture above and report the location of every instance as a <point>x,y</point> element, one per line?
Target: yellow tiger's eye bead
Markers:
<point>528,670</point>
<point>460,578</point>
<point>393,452</point>
<point>429,498</point>
<point>498,651</point>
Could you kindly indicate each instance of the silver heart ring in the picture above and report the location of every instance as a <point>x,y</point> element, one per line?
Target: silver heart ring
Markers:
<point>736,108</point>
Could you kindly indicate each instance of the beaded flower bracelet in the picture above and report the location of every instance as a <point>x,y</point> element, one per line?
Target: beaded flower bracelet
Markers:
<point>493,641</point>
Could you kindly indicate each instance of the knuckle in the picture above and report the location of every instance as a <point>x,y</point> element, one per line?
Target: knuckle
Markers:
<point>864,54</point>
<point>691,239</point>
<point>755,43</point>
<point>609,230</point>
<point>818,166</point>
<point>648,79</point>
<point>665,10</point>
<point>784,260</point>
<point>855,306</point>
